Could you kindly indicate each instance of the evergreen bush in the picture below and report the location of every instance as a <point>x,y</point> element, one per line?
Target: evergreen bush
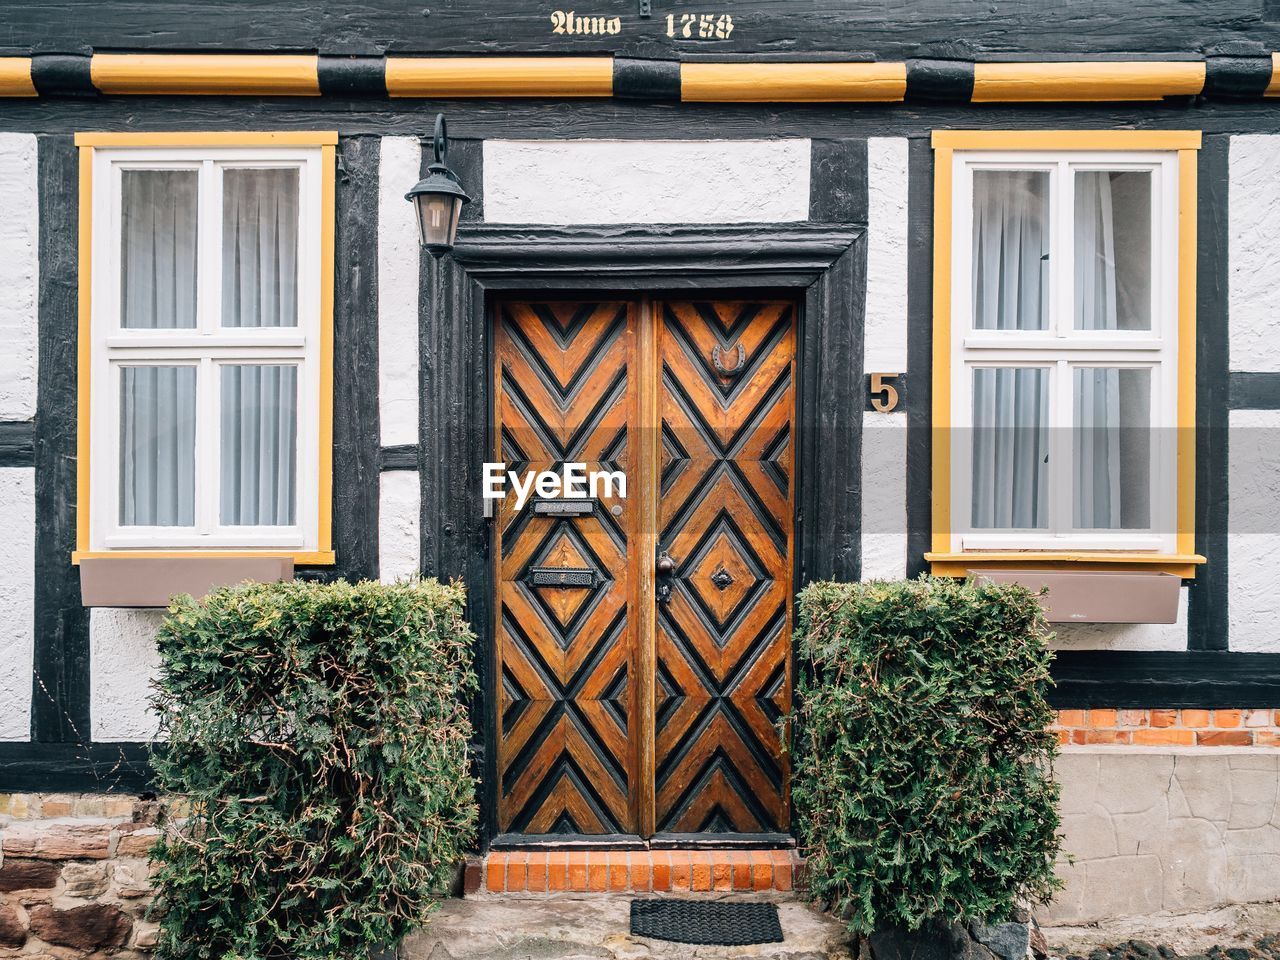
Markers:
<point>923,770</point>
<point>317,735</point>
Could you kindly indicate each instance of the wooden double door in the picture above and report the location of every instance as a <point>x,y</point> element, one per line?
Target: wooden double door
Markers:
<point>643,643</point>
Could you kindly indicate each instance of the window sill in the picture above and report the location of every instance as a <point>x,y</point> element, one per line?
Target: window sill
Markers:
<point>118,580</point>
<point>301,558</point>
<point>959,564</point>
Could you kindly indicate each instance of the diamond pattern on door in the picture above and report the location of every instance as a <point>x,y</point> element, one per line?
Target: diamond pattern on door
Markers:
<point>711,463</point>
<point>566,718</point>
<point>725,514</point>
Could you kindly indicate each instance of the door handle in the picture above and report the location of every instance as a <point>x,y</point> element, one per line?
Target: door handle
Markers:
<point>665,569</point>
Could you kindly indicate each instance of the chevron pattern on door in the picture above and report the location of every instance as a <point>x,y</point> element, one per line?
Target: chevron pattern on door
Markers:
<point>725,517</point>
<point>620,712</point>
<point>566,713</point>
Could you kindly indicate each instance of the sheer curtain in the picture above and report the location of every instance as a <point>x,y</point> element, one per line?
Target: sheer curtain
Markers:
<point>1096,390</point>
<point>1010,249</point>
<point>260,248</point>
<point>158,249</point>
<point>1010,447</point>
<point>259,440</point>
<point>157,446</point>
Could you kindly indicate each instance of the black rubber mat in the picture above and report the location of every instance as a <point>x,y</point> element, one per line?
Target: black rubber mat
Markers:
<point>706,922</point>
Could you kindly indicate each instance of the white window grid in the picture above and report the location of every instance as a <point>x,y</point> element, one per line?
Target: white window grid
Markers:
<point>1061,348</point>
<point>208,346</point>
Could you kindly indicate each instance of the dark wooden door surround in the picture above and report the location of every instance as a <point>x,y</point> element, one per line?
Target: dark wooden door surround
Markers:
<point>641,703</point>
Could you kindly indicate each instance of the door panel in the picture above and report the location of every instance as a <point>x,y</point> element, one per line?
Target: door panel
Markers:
<point>725,517</point>
<point>589,742</point>
<point>566,713</point>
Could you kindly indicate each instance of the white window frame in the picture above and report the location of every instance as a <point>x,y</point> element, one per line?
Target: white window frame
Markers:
<point>208,346</point>
<point>1060,348</point>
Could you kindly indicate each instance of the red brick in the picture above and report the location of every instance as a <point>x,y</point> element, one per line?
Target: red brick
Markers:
<point>577,871</point>
<point>1266,738</point>
<point>497,873</point>
<point>1071,718</point>
<point>701,871</point>
<point>681,870</point>
<point>740,861</point>
<point>1133,718</point>
<point>1103,718</point>
<point>1226,719</point>
<point>1106,736</point>
<point>619,872</point>
<point>472,875</point>
<point>1164,718</point>
<point>597,871</point>
<point>721,872</point>
<point>1224,738</point>
<point>642,865</point>
<point>517,876</point>
<point>661,870</point>
<point>1194,719</point>
<point>536,872</point>
<point>558,871</point>
<point>1164,738</point>
<point>761,870</point>
<point>782,870</point>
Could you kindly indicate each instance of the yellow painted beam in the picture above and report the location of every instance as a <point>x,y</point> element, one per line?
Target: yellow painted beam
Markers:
<point>793,82</point>
<point>15,77</point>
<point>283,75</point>
<point>500,76</point>
<point>1273,88</point>
<point>1086,81</point>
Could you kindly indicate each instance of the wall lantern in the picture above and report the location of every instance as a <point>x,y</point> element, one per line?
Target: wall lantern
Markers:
<point>439,198</point>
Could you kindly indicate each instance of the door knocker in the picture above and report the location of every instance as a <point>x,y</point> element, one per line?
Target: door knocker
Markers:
<point>718,363</point>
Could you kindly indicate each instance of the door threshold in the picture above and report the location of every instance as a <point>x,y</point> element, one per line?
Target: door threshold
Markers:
<point>630,841</point>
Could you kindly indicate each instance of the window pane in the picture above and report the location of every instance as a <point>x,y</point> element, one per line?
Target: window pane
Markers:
<point>158,249</point>
<point>1111,442</point>
<point>259,439</point>
<point>1010,448</point>
<point>1010,249</point>
<point>260,248</point>
<point>1113,250</point>
<point>157,446</point>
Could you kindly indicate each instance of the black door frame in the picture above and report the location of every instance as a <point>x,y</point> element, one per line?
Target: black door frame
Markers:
<point>822,264</point>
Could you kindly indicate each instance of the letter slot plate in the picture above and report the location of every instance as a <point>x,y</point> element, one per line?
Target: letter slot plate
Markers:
<point>570,578</point>
<point>576,507</point>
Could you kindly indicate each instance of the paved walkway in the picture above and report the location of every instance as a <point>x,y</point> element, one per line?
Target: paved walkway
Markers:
<point>584,927</point>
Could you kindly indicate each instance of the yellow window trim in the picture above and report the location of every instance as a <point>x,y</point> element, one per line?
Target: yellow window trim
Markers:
<point>300,557</point>
<point>327,141</point>
<point>943,559</point>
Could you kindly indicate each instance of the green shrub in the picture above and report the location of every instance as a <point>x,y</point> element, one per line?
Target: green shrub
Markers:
<point>317,734</point>
<point>923,771</point>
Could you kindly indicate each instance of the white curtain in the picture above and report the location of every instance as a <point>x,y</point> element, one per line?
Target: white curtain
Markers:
<point>1096,440</point>
<point>259,440</point>
<point>260,248</point>
<point>158,249</point>
<point>157,446</point>
<point>1010,447</point>
<point>1010,249</point>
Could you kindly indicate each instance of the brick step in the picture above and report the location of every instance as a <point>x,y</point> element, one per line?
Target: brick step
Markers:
<point>632,871</point>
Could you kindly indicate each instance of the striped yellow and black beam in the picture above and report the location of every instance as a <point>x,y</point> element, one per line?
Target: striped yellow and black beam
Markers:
<point>1248,75</point>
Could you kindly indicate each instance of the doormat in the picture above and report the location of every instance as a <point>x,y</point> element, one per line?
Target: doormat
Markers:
<point>705,922</point>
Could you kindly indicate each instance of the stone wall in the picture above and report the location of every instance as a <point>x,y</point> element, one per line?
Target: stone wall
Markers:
<point>74,877</point>
<point>1157,830</point>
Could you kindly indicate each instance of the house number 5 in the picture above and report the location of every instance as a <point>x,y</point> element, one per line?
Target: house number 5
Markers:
<point>884,395</point>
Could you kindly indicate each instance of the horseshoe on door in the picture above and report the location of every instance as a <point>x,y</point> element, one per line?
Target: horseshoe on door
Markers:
<point>718,363</point>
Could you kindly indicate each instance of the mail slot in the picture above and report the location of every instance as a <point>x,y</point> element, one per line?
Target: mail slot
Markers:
<point>565,507</point>
<point>569,578</point>
<point>1080,596</point>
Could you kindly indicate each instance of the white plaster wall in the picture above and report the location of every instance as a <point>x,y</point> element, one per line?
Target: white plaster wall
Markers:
<point>123,660</point>
<point>17,598</point>
<point>1254,252</point>
<point>646,181</point>
<point>885,336</point>
<point>884,496</point>
<point>398,264</point>
<point>1157,830</point>
<point>19,274</point>
<point>399,532</point>
<point>1125,636</point>
<point>1253,600</point>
